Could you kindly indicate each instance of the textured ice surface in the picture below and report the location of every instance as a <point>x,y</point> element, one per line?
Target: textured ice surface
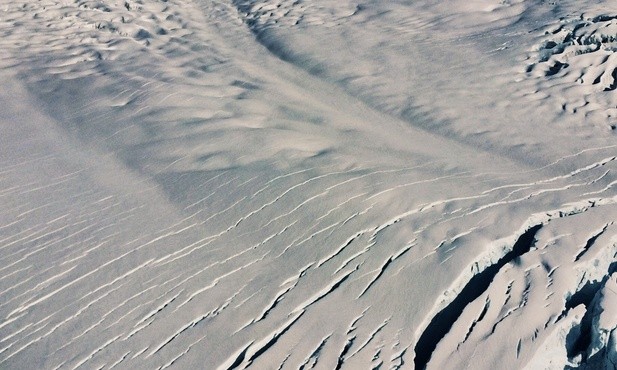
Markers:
<point>308,184</point>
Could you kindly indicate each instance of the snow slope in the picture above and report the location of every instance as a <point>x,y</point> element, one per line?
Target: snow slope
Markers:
<point>226,184</point>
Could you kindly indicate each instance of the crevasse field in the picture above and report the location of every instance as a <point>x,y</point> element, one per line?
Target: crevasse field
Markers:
<point>297,184</point>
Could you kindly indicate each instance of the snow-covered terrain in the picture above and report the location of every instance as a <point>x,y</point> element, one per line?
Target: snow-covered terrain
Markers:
<point>297,184</point>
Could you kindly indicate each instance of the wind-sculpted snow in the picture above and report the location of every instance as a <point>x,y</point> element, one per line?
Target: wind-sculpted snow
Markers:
<point>288,184</point>
<point>581,52</point>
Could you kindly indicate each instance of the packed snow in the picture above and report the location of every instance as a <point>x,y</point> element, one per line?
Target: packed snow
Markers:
<point>295,184</point>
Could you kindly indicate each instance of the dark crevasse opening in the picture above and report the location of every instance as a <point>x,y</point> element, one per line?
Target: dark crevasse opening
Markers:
<point>443,321</point>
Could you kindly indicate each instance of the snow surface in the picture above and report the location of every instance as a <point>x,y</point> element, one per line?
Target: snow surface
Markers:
<point>274,184</point>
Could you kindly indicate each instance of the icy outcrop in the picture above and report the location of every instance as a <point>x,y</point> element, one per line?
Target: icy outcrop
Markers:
<point>604,324</point>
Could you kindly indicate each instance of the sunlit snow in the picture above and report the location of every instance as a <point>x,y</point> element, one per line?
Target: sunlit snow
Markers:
<point>296,184</point>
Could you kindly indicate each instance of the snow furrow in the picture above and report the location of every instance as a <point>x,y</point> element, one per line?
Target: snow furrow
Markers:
<point>591,241</point>
<point>383,268</point>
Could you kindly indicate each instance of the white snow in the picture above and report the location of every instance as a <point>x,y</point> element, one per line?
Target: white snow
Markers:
<point>278,184</point>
